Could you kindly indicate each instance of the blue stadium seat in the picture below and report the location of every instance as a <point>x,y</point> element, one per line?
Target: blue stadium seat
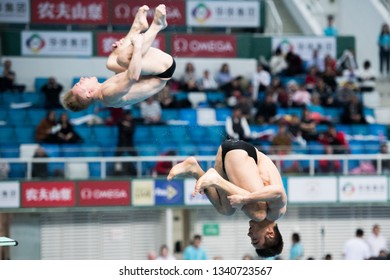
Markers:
<point>105,134</point>
<point>90,150</point>
<point>222,113</point>
<point>10,97</point>
<point>17,170</point>
<point>56,169</point>
<point>344,128</point>
<point>187,149</point>
<point>198,133</point>
<point>159,133</point>
<point>378,130</point>
<point>207,149</point>
<point>36,98</point>
<point>39,82</point>
<point>4,114</point>
<point>179,133</point>
<point>169,114</point>
<point>315,148</point>
<point>216,133</point>
<point>71,150</point>
<point>371,147</point>
<point>189,115</point>
<point>35,115</point>
<point>215,97</point>
<point>85,132</point>
<point>10,150</point>
<point>108,150</point>
<point>359,129</point>
<point>17,117</point>
<point>142,134</point>
<point>94,169</point>
<point>7,134</point>
<point>295,111</point>
<point>25,134</point>
<point>356,147</point>
<point>52,150</point>
<point>333,113</point>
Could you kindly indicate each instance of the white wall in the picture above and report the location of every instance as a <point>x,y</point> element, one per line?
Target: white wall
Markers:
<point>64,69</point>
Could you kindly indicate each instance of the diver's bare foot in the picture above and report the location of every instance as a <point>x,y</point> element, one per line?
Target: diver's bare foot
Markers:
<point>189,167</point>
<point>140,23</point>
<point>210,178</point>
<point>160,16</point>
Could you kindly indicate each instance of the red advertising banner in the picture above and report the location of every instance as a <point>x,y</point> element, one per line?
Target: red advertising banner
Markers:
<point>104,193</point>
<point>105,41</point>
<point>48,194</point>
<point>184,45</point>
<point>69,11</point>
<point>122,12</point>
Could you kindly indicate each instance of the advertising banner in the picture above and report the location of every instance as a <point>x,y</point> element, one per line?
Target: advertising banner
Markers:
<point>199,199</point>
<point>104,193</point>
<point>106,39</point>
<point>312,189</point>
<point>41,43</point>
<point>15,11</point>
<point>69,12</point>
<point>204,45</point>
<point>142,192</point>
<point>304,46</point>
<point>363,189</point>
<point>168,192</point>
<point>48,194</point>
<point>9,195</point>
<point>223,13</point>
<point>122,12</point>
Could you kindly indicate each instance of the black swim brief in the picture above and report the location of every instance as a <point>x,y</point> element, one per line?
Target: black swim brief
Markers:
<point>169,72</point>
<point>230,145</point>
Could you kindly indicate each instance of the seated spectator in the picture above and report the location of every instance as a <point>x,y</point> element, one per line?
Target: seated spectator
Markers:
<point>281,143</point>
<point>385,162</point>
<point>52,91</point>
<point>353,112</point>
<point>330,62</point>
<point>66,132</point>
<point>315,104</point>
<point>311,78</point>
<point>163,167</point>
<point>188,79</point>
<point>46,131</point>
<point>166,98</point>
<point>327,96</point>
<point>330,30</point>
<point>277,63</point>
<point>261,79</point>
<point>316,62</point>
<point>40,169</point>
<point>207,82</point>
<point>245,104</point>
<point>344,93</point>
<point>299,95</point>
<point>308,126</point>
<point>294,64</point>
<point>266,110</point>
<point>336,139</point>
<point>151,111</point>
<point>8,79</point>
<point>329,77</point>
<point>366,77</point>
<point>223,76</point>
<point>237,127</point>
<point>233,90</point>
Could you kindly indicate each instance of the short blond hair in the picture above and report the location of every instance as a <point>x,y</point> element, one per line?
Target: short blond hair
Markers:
<point>71,102</point>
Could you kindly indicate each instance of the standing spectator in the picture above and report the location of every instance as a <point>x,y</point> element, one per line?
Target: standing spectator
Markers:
<point>188,79</point>
<point>266,110</point>
<point>8,77</point>
<point>277,63</point>
<point>366,77</point>
<point>195,251</point>
<point>376,241</point>
<point>294,64</point>
<point>40,169</point>
<point>237,127</point>
<point>223,76</point>
<point>356,248</point>
<point>125,145</point>
<point>164,254</point>
<point>296,250</point>
<point>261,79</point>
<point>330,30</point>
<point>151,111</point>
<point>52,90</point>
<point>46,131</point>
<point>66,133</point>
<point>384,50</point>
<point>207,82</point>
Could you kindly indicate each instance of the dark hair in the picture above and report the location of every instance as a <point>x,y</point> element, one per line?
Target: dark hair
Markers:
<point>359,232</point>
<point>272,247</point>
<point>296,237</point>
<point>197,236</point>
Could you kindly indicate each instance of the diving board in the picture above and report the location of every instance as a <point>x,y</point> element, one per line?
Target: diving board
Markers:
<point>5,241</point>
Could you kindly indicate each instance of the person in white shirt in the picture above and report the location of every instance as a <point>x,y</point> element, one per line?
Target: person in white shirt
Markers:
<point>376,241</point>
<point>207,82</point>
<point>366,77</point>
<point>356,248</point>
<point>151,111</point>
<point>261,79</point>
<point>277,62</point>
<point>237,126</point>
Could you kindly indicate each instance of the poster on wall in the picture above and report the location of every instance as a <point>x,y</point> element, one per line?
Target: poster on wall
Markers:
<point>122,12</point>
<point>42,43</point>
<point>183,45</point>
<point>103,193</point>
<point>14,11</point>
<point>199,199</point>
<point>363,189</point>
<point>69,12</point>
<point>305,45</point>
<point>142,192</point>
<point>223,13</point>
<point>168,192</point>
<point>312,189</point>
<point>9,195</point>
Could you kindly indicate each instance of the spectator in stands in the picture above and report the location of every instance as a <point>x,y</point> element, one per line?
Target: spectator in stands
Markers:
<point>308,126</point>
<point>261,79</point>
<point>331,62</point>
<point>330,30</point>
<point>8,76</point>
<point>385,162</point>
<point>294,64</point>
<point>223,76</point>
<point>316,62</point>
<point>166,98</point>
<point>296,250</point>
<point>327,96</point>
<point>311,78</point>
<point>277,63</point>
<point>245,103</point>
<point>344,93</point>
<point>266,110</point>
<point>66,133</point>
<point>194,251</point>
<point>188,81</point>
<point>299,95</point>
<point>384,50</point>
<point>46,131</point>
<point>207,82</point>
<point>329,166</point>
<point>315,104</point>
<point>356,248</point>
<point>329,77</point>
<point>52,90</point>
<point>336,139</point>
<point>353,112</point>
<point>377,242</point>
<point>237,127</point>
<point>151,111</point>
<point>281,143</point>
<point>366,77</point>
<point>162,168</point>
<point>40,169</point>
<point>164,254</point>
<point>233,91</point>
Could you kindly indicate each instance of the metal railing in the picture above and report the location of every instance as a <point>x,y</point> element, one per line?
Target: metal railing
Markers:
<point>274,24</point>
